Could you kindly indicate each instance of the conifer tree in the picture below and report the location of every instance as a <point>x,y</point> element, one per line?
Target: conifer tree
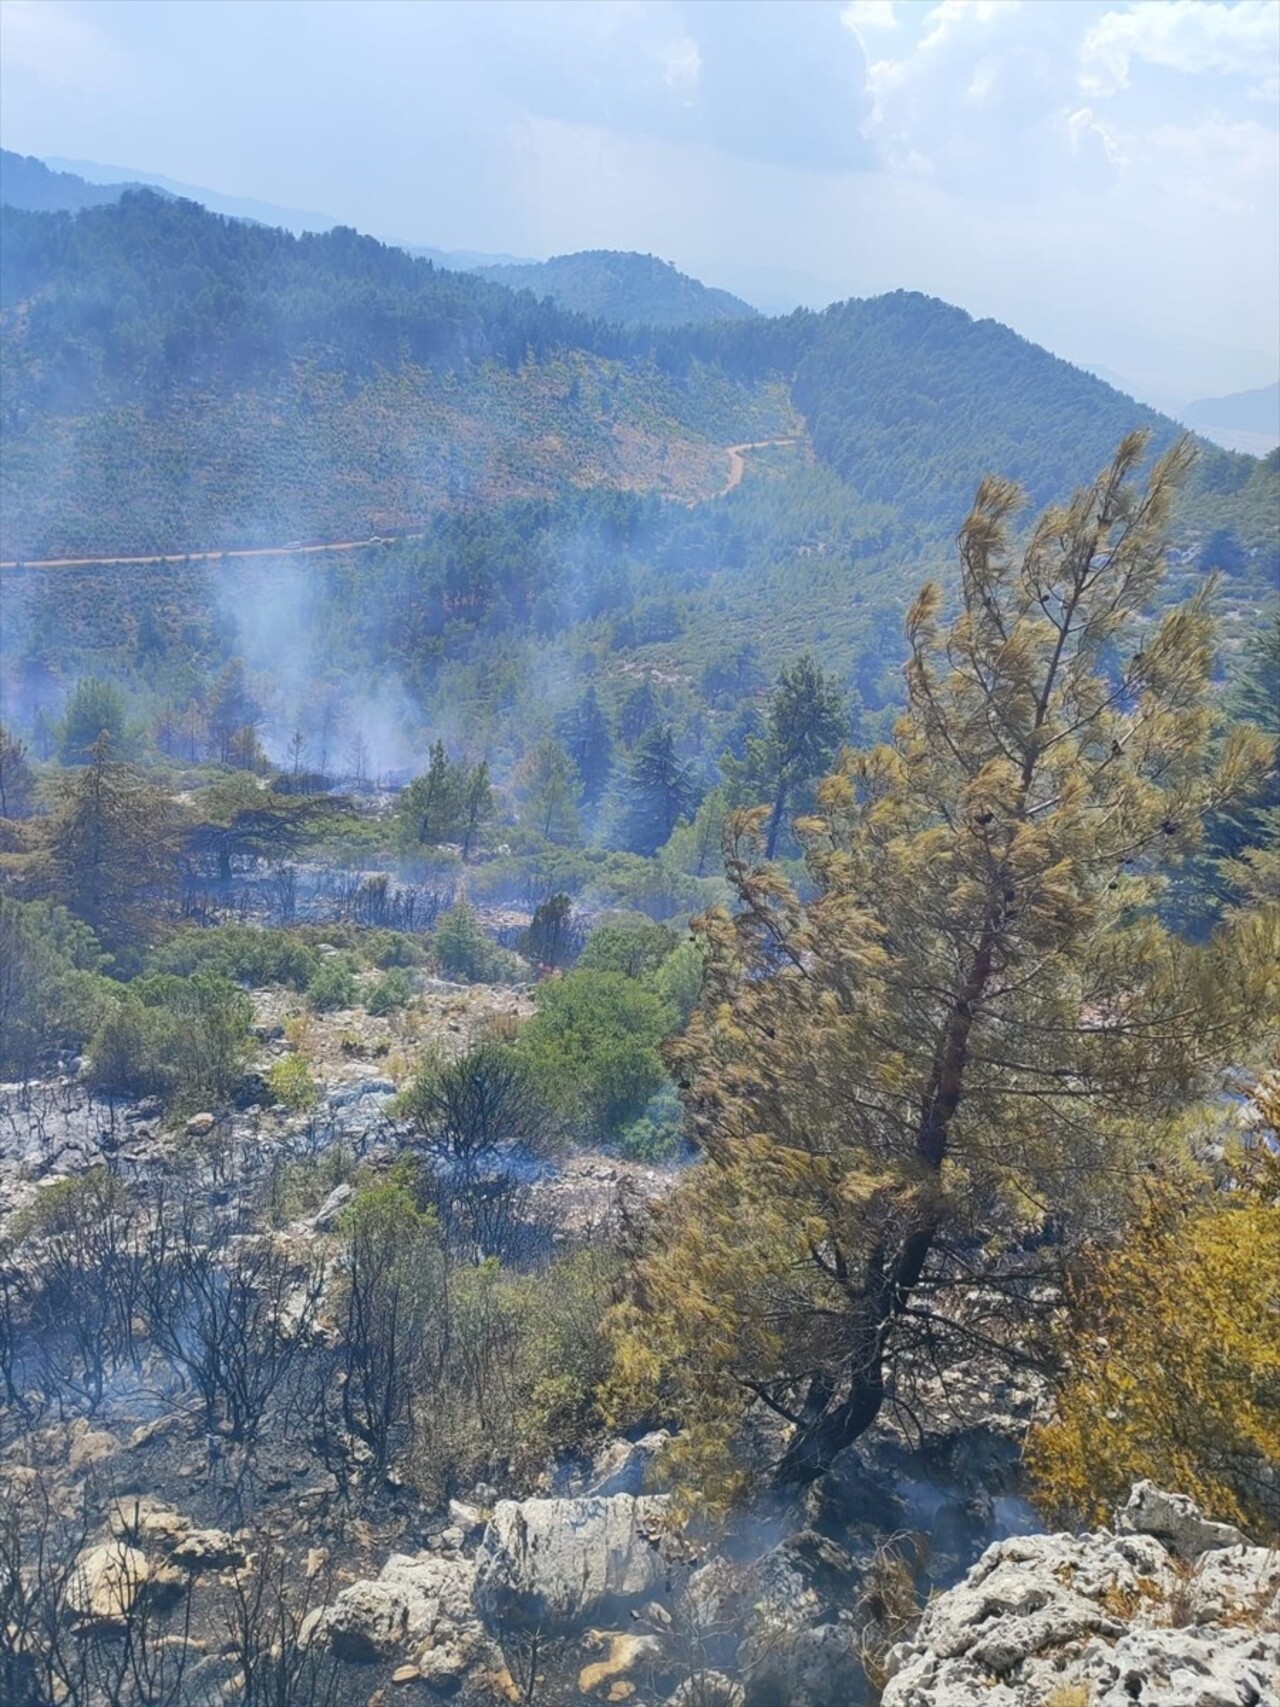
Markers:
<point>971,1031</point>
<point>110,852</point>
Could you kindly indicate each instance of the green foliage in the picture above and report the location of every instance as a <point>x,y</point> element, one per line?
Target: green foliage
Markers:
<point>183,1039</point>
<point>245,954</point>
<point>806,722</point>
<point>333,985</point>
<point>465,952</point>
<point>50,995</point>
<point>470,1109</point>
<point>452,802</point>
<point>978,934</point>
<point>622,288</point>
<point>108,854</point>
<point>656,791</point>
<point>17,779</point>
<point>658,1135</point>
<point>291,1083</point>
<point>96,708</point>
<point>634,946</point>
<point>391,993</point>
<point>593,1049</point>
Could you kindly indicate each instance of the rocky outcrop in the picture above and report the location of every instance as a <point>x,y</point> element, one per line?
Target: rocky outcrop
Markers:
<point>420,1606</point>
<point>1161,1612</point>
<point>563,1563</point>
<point>107,1580</point>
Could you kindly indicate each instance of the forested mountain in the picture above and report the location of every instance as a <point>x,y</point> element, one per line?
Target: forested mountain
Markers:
<point>1256,411</point>
<point>174,381</point>
<point>626,288</point>
<point>28,183</point>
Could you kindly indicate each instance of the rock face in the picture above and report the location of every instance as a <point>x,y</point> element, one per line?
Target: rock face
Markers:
<point>107,1580</point>
<point>566,1562</point>
<point>412,1604</point>
<point>1167,1616</point>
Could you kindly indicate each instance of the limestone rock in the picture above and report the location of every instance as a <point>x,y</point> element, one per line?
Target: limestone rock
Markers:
<point>1119,1617</point>
<point>91,1446</point>
<point>564,1562</point>
<point>622,1466</point>
<point>708,1689</point>
<point>1175,1520</point>
<point>625,1653</point>
<point>412,1602</point>
<point>208,1550</point>
<point>107,1580</point>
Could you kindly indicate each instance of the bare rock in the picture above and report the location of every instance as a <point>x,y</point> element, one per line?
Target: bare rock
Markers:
<point>565,1562</point>
<point>1175,1520</point>
<point>200,1125</point>
<point>208,1550</point>
<point>424,1602</point>
<point>107,1580</point>
<point>622,1466</point>
<point>625,1652</point>
<point>1119,1618</point>
<point>708,1689</point>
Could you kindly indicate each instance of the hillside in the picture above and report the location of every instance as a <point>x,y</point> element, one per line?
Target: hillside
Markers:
<point>177,381</point>
<point>1243,420</point>
<point>26,182</point>
<point>624,288</point>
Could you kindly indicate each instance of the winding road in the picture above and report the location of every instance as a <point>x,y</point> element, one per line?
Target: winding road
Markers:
<point>737,468</point>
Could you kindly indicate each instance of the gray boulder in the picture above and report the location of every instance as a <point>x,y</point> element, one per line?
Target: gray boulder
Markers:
<point>568,1562</point>
<point>1175,1520</point>
<point>1118,1618</point>
<point>413,1603</point>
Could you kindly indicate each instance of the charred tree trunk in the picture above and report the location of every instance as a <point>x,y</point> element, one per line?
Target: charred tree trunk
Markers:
<point>826,1427</point>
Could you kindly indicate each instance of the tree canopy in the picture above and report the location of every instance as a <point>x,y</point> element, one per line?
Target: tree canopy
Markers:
<point>979,1019</point>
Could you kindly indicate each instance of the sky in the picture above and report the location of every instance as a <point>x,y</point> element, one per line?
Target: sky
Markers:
<point>1104,176</point>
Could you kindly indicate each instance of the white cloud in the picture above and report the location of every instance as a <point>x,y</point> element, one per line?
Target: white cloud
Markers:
<point>683,67</point>
<point>56,48</point>
<point>861,15</point>
<point>1191,36</point>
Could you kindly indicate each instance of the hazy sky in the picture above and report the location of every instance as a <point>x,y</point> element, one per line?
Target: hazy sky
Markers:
<point>1104,176</point>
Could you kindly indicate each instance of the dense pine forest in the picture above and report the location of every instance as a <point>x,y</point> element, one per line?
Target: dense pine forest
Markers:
<point>638,971</point>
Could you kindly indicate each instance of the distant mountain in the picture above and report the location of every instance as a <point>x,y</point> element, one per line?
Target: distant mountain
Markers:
<point>1243,420</point>
<point>623,288</point>
<point>237,207</point>
<point>26,182</point>
<point>462,260</point>
<point>174,380</point>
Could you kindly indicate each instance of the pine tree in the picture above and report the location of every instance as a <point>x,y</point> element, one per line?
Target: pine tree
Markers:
<point>584,731</point>
<point>806,723</point>
<point>17,780</point>
<point>971,1031</point>
<point>109,857</point>
<point>657,791</point>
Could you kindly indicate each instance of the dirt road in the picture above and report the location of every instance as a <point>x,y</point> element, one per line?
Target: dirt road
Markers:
<point>203,556</point>
<point>737,459</point>
<point>737,468</point>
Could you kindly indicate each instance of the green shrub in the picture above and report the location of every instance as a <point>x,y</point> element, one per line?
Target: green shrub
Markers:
<point>389,993</point>
<point>464,952</point>
<point>183,1039</point>
<point>291,1083</point>
<point>50,994</point>
<point>631,944</point>
<point>658,1135</point>
<point>593,1050</point>
<point>246,954</point>
<point>333,986</point>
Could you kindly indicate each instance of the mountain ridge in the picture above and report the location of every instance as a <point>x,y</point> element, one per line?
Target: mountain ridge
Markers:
<point>623,286</point>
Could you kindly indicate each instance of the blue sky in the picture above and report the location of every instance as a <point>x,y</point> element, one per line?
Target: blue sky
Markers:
<point>1104,176</point>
